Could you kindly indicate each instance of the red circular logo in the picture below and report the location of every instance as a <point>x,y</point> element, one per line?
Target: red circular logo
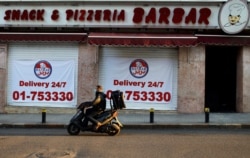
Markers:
<point>43,69</point>
<point>138,68</point>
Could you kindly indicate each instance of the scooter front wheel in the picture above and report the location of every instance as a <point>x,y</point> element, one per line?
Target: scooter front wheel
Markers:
<point>73,129</point>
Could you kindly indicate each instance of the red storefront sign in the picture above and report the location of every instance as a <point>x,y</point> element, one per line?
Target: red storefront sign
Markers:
<point>162,15</point>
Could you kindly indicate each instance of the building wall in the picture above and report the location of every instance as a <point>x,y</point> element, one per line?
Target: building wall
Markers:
<point>191,79</point>
<point>3,76</point>
<point>245,104</point>
<point>87,72</point>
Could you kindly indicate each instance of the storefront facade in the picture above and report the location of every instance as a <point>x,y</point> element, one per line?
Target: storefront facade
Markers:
<point>168,55</point>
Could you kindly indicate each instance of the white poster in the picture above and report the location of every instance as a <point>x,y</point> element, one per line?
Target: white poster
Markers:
<point>43,81</point>
<point>143,80</point>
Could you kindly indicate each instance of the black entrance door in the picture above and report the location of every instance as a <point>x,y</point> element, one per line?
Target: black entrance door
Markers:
<point>220,82</point>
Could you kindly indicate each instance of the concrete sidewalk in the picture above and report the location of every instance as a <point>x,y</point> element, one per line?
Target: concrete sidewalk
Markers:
<point>135,119</point>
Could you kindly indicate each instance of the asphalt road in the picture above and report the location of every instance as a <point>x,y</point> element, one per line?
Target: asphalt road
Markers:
<point>172,143</point>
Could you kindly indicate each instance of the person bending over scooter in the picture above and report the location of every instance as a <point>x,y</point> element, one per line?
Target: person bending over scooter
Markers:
<point>97,105</point>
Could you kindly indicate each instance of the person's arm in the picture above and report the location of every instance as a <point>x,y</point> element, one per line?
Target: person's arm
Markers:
<point>97,100</point>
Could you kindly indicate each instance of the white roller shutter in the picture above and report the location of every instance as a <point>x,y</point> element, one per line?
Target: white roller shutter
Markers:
<point>107,53</point>
<point>42,51</point>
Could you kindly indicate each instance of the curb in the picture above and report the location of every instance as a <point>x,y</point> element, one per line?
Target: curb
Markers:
<point>38,125</point>
<point>137,126</point>
<point>187,126</point>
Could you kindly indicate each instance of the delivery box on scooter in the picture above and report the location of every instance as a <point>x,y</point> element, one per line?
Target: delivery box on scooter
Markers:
<point>117,98</point>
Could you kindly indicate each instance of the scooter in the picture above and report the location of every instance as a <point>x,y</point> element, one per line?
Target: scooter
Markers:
<point>108,118</point>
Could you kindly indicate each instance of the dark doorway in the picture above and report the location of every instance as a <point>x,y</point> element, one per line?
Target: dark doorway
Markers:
<point>220,86</point>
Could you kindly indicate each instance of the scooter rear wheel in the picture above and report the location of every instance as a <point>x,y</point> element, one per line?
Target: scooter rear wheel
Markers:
<point>73,129</point>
